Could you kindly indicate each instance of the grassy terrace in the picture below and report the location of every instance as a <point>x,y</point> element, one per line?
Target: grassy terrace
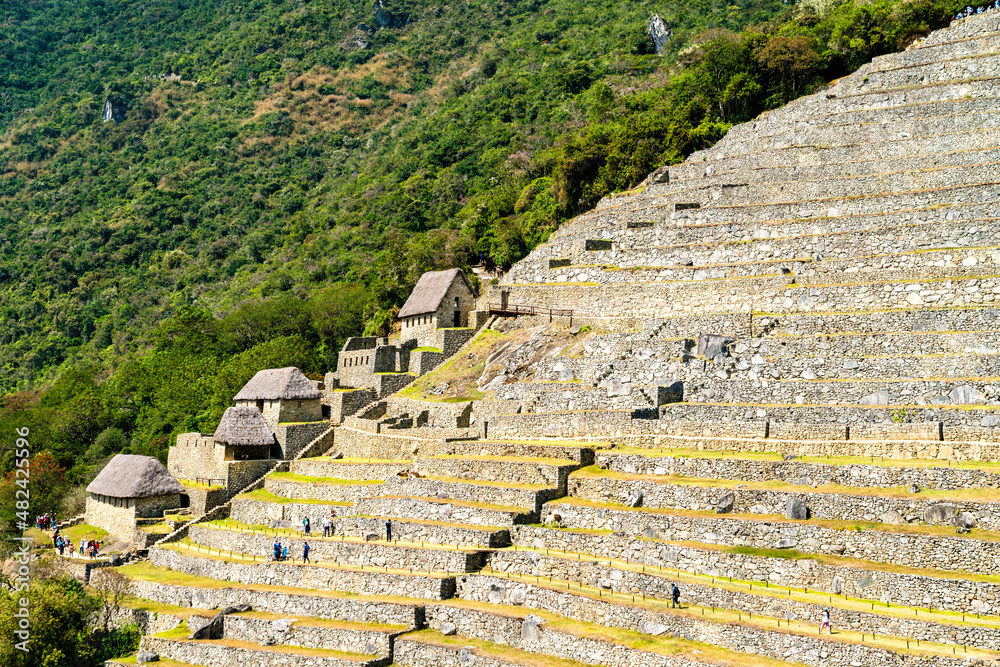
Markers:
<point>490,650</point>
<point>536,460</point>
<point>478,482</point>
<point>858,526</point>
<point>162,575</point>
<point>736,453</point>
<point>181,632</point>
<point>805,628</point>
<point>981,495</point>
<point>325,623</point>
<point>263,495</point>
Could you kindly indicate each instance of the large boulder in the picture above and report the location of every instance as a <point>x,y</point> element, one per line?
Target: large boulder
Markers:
<point>142,657</point>
<point>725,504</point>
<point>659,33</point>
<point>940,513</point>
<point>965,520</point>
<point>795,508</point>
<point>711,346</point>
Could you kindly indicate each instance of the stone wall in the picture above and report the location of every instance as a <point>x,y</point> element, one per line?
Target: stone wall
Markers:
<point>422,533</point>
<point>203,498</point>
<point>293,438</point>
<point>750,470</point>
<point>339,470</point>
<point>154,506</point>
<point>503,496</point>
<point>400,445</point>
<point>320,605</point>
<point>115,515</point>
<point>221,655</point>
<point>337,493</point>
<point>549,475</point>
<point>369,582</point>
<point>346,554</point>
<point>830,506</point>
<point>264,513</point>
<point>419,328</point>
<point>344,402</point>
<point>427,509</point>
<point>196,455</point>
<point>807,649</point>
<point>956,554</point>
<point>258,630</point>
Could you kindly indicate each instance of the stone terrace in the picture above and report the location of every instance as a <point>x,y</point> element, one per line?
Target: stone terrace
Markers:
<point>783,398</point>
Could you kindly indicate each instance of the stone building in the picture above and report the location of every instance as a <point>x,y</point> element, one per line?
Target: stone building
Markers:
<point>130,487</point>
<point>282,395</point>
<point>440,300</point>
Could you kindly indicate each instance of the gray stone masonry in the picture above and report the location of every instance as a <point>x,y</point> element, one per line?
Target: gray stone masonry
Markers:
<point>345,553</point>
<point>422,532</point>
<point>296,575</point>
<point>501,495</point>
<point>372,641</point>
<point>943,592</point>
<point>315,605</point>
<point>853,475</point>
<point>332,492</point>
<point>954,554</point>
<point>805,649</point>
<point>340,470</point>
<point>220,655</point>
<point>543,472</point>
<point>582,454</point>
<point>265,513</point>
<point>430,509</point>
<point>829,506</point>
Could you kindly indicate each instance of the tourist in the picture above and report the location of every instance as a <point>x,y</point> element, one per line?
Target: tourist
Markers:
<point>675,596</point>
<point>825,622</point>
<point>306,526</point>
<point>305,553</point>
<point>284,552</point>
<point>81,547</point>
<point>326,519</point>
<point>277,550</point>
<point>388,530</point>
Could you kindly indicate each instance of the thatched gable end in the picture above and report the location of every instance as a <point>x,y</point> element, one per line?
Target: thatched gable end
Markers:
<point>279,384</point>
<point>243,425</point>
<point>430,290</point>
<point>132,476</point>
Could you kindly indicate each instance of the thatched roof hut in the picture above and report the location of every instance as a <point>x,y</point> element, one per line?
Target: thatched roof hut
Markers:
<point>430,290</point>
<point>132,476</point>
<point>243,426</point>
<point>279,384</point>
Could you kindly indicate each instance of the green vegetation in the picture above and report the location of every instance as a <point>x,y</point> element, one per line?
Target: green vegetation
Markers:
<point>282,189</point>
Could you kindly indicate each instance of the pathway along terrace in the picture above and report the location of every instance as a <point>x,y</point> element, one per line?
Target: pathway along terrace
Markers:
<point>780,393</point>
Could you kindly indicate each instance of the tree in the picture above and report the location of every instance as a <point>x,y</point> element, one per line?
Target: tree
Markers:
<point>112,589</point>
<point>788,61</point>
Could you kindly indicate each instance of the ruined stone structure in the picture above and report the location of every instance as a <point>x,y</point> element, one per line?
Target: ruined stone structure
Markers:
<point>437,320</point>
<point>282,395</point>
<point>782,396</point>
<point>130,487</point>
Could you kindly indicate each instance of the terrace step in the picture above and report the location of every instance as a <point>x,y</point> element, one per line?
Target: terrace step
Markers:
<point>451,511</point>
<point>848,503</point>
<point>926,474</point>
<point>926,547</point>
<point>242,539</point>
<point>582,454</point>
<point>487,490</point>
<point>427,648</point>
<point>546,472</point>
<point>303,487</point>
<point>349,469</point>
<point>413,531</point>
<point>349,637</point>
<point>223,653</point>
<point>255,569</point>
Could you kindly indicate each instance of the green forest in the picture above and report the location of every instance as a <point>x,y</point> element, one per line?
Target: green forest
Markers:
<point>284,171</point>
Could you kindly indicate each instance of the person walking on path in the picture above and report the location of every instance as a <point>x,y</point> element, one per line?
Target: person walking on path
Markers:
<point>305,553</point>
<point>306,526</point>
<point>388,530</point>
<point>277,550</point>
<point>675,595</point>
<point>284,553</point>
<point>326,526</point>
<point>825,622</point>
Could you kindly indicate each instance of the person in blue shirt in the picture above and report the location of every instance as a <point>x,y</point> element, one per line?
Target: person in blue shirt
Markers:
<point>305,553</point>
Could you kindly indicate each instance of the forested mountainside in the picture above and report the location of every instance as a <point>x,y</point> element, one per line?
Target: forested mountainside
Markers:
<point>280,173</point>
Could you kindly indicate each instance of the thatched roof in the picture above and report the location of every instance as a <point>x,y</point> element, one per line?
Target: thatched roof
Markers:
<point>278,384</point>
<point>430,289</point>
<point>243,426</point>
<point>131,476</point>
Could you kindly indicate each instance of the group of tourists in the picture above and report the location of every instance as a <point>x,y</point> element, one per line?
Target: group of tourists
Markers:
<point>969,11</point>
<point>90,548</point>
<point>280,551</point>
<point>46,521</point>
